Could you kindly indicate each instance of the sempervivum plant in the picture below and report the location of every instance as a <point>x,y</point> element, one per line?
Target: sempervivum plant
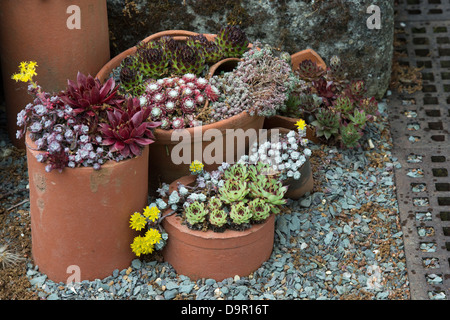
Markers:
<point>178,102</point>
<point>127,130</point>
<point>168,57</point>
<point>232,41</point>
<point>338,109</point>
<point>221,200</point>
<point>87,95</point>
<point>187,59</point>
<point>69,127</point>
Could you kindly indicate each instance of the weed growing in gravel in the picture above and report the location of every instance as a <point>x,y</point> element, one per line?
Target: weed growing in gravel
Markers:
<point>8,257</point>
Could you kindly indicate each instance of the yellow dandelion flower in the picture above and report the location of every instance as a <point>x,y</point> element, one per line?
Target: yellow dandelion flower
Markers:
<point>151,213</point>
<point>301,124</point>
<point>153,236</point>
<point>137,221</point>
<point>196,167</point>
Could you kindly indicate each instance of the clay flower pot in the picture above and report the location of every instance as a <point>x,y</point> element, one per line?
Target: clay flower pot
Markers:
<point>80,217</point>
<point>162,168</point>
<point>38,31</point>
<point>307,54</point>
<point>199,254</point>
<point>297,188</point>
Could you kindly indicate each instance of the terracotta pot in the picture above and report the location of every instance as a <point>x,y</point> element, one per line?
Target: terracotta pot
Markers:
<point>37,31</point>
<point>199,254</point>
<point>307,54</point>
<point>297,188</point>
<point>162,167</point>
<point>80,217</point>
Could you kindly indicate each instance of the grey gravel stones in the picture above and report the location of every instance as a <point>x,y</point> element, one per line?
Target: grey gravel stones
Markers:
<point>343,241</point>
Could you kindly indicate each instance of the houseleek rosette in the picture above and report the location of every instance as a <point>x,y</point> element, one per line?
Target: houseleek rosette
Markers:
<point>127,131</point>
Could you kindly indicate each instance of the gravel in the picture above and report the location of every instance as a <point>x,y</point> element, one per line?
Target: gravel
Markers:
<point>342,241</point>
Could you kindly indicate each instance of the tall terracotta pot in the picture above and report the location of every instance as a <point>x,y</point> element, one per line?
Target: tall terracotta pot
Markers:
<point>80,217</point>
<point>37,30</point>
<point>163,168</point>
<point>215,255</point>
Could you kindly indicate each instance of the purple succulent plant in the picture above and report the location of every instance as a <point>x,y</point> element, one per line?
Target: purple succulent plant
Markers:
<point>128,131</point>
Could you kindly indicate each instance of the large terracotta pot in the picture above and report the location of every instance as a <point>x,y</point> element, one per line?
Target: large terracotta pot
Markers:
<point>163,168</point>
<point>80,217</point>
<point>199,254</point>
<point>37,30</point>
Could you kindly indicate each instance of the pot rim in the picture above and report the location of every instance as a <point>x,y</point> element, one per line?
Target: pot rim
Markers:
<point>311,55</point>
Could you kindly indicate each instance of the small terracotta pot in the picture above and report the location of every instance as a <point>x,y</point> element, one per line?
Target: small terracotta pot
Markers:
<point>199,254</point>
<point>297,188</point>
<point>307,54</point>
<point>80,217</point>
<point>38,31</point>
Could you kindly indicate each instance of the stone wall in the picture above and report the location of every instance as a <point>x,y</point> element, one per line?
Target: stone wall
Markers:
<point>330,27</point>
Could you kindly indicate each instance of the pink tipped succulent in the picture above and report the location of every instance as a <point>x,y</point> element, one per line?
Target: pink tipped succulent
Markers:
<point>153,87</point>
<point>173,94</point>
<point>127,131</point>
<point>170,107</point>
<point>199,99</point>
<point>188,105</point>
<point>88,94</point>
<point>212,93</point>
<point>189,77</point>
<point>165,123</point>
<point>157,112</point>
<point>178,123</point>
<point>187,91</point>
<point>201,83</point>
<point>159,98</point>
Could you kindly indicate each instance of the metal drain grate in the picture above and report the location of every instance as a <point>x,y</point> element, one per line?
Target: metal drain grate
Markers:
<point>420,126</point>
<point>420,10</point>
